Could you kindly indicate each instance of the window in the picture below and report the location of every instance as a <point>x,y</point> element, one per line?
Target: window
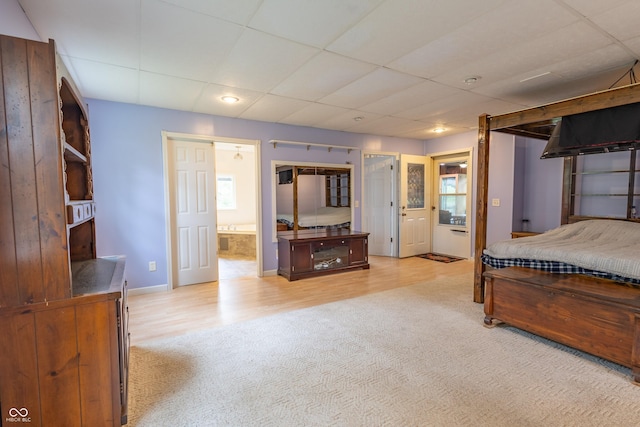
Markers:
<point>226,191</point>
<point>453,195</point>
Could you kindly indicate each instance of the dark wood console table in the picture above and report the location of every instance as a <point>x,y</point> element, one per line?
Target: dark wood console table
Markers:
<point>308,253</point>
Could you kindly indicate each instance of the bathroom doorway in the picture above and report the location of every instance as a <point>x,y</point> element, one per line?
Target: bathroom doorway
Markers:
<point>237,207</point>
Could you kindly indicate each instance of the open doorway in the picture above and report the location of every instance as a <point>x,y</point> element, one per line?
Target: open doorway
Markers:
<point>451,203</point>
<point>237,206</point>
<point>201,242</point>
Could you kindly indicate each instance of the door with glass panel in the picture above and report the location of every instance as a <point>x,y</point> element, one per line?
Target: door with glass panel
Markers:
<point>451,224</point>
<point>414,213</point>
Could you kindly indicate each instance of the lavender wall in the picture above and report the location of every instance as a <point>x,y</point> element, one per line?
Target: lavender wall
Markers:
<point>501,178</point>
<point>128,174</point>
<point>542,188</point>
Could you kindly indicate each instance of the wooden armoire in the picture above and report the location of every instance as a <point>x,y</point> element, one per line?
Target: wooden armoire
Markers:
<point>63,333</point>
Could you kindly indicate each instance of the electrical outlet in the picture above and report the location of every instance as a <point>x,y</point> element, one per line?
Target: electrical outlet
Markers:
<point>152,266</point>
<point>495,202</point>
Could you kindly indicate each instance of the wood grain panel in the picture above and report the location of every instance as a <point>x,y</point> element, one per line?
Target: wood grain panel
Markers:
<point>95,347</point>
<point>188,308</point>
<point>18,366</point>
<point>583,104</point>
<point>484,137</point>
<point>48,162</point>
<point>9,294</point>
<point>21,165</point>
<point>58,366</point>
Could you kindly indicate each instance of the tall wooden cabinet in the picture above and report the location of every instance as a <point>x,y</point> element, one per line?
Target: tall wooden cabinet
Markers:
<point>63,333</point>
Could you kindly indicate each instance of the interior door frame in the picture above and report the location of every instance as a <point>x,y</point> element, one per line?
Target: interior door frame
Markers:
<point>394,195</point>
<point>207,139</point>
<point>462,152</point>
<point>426,161</point>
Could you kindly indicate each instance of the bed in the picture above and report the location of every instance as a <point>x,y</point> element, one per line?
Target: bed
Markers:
<point>585,296</point>
<point>604,248</point>
<point>321,218</point>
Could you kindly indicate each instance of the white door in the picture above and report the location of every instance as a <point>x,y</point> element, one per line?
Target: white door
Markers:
<point>378,215</point>
<point>451,227</point>
<point>192,193</point>
<point>414,220</point>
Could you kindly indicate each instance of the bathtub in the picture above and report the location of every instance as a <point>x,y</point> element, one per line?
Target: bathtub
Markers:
<point>237,228</point>
<point>237,240</point>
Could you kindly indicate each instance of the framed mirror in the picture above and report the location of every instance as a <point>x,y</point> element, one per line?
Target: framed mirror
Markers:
<point>312,196</point>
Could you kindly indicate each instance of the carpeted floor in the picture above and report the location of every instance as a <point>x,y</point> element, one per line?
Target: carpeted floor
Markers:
<point>413,356</point>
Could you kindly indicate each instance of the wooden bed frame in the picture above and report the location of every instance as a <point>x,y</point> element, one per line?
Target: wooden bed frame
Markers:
<point>598,316</point>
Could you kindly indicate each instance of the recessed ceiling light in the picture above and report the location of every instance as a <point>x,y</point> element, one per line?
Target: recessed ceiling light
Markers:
<point>230,99</point>
<point>439,130</point>
<point>471,80</point>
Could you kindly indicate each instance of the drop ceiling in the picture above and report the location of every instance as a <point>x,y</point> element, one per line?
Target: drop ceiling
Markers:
<point>385,67</point>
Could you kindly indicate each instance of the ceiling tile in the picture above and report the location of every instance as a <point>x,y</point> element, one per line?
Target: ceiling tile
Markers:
<point>397,63</point>
<point>372,87</point>
<point>407,24</point>
<point>313,114</point>
<point>411,97</point>
<point>439,108</point>
<point>463,45</point>
<point>97,31</point>
<point>90,76</point>
<point>322,75</point>
<point>183,37</point>
<point>273,108</point>
<point>577,38</point>
<point>388,125</point>
<point>348,119</point>
<point>239,12</point>
<point>590,8</point>
<point>260,61</point>
<point>159,90</point>
<point>616,22</point>
<point>315,23</point>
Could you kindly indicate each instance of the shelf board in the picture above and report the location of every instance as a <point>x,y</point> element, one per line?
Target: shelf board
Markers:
<point>73,155</point>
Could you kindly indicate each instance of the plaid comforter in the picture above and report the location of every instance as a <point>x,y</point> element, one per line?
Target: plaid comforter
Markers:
<point>553,267</point>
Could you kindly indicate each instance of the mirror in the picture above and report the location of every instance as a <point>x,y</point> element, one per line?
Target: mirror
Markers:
<point>313,196</point>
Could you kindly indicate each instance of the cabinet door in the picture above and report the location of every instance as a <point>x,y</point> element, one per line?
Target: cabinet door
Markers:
<point>358,251</point>
<point>301,260</point>
<point>330,254</point>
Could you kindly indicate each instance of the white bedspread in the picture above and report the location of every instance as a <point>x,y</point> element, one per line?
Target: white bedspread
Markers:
<point>604,245</point>
<point>324,216</point>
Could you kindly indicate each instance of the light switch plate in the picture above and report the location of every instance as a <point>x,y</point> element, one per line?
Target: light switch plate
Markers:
<point>495,202</point>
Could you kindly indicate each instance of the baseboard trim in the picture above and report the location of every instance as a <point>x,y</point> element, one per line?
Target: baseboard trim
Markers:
<point>148,290</point>
<point>269,273</point>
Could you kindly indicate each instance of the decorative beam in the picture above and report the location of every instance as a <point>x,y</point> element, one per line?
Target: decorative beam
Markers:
<point>582,104</point>
<point>481,206</point>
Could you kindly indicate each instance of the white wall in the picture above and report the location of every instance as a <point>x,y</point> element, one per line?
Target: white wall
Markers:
<point>13,21</point>
<point>244,172</point>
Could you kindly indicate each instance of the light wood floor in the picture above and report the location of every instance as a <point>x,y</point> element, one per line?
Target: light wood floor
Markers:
<point>235,299</point>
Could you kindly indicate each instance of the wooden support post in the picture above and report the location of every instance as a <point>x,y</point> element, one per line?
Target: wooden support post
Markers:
<point>481,205</point>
